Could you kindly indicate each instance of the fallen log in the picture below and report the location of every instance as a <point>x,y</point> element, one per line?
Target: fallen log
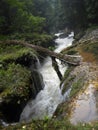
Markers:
<point>69,59</point>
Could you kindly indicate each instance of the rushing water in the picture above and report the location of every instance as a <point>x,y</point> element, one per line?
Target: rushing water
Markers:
<point>47,99</point>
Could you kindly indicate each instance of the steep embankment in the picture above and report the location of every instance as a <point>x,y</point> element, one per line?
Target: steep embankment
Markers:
<point>88,46</point>
<point>19,78</point>
<point>18,82</point>
<point>80,78</point>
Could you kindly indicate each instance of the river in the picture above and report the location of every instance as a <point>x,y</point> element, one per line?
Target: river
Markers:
<point>50,97</point>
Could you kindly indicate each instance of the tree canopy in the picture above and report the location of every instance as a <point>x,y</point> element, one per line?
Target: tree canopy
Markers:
<point>17,16</point>
<point>27,16</point>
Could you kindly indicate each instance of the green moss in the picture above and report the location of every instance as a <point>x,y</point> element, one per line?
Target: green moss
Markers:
<point>9,53</point>
<point>92,27</point>
<point>15,79</point>
<point>67,72</point>
<point>79,35</point>
<point>91,47</point>
<point>42,39</point>
<point>14,82</point>
<point>70,68</point>
<point>76,86</point>
<point>70,50</point>
<point>52,125</point>
<point>68,83</point>
<point>67,80</point>
<point>3,37</point>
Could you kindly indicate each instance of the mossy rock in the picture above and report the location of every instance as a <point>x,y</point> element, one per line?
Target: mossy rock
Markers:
<point>10,53</point>
<point>91,47</point>
<point>17,85</point>
<point>15,89</point>
<point>14,82</point>
<point>17,79</point>
<point>70,50</point>
<point>89,51</point>
<point>77,86</point>
<point>67,79</point>
<point>37,83</point>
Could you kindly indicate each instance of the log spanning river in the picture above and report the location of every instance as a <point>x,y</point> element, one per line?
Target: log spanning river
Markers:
<point>50,97</point>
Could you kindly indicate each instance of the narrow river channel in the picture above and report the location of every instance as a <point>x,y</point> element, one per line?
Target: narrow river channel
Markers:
<point>47,99</point>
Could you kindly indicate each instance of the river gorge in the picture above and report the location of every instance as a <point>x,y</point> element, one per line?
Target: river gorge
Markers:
<point>69,91</point>
<point>48,99</point>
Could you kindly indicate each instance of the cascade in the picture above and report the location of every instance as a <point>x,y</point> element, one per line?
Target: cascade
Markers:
<point>47,99</point>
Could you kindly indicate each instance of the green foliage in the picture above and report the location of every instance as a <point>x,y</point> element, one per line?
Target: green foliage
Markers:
<point>67,80</point>
<point>73,81</point>
<point>51,48</point>
<point>75,14</point>
<point>14,81</point>
<point>92,27</point>
<point>16,17</point>
<point>72,52</point>
<point>91,47</point>
<point>3,37</point>
<point>91,8</point>
<point>76,86</point>
<point>41,39</point>
<point>9,53</point>
<point>74,11</point>
<point>52,125</point>
<point>36,23</point>
<point>28,16</point>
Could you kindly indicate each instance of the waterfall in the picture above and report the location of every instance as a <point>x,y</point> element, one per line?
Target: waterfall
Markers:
<point>47,99</point>
<point>38,64</point>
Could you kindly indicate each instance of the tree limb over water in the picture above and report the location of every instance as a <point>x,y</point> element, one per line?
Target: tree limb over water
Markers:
<point>69,59</point>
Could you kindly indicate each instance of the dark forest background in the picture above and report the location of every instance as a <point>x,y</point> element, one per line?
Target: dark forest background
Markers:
<point>46,16</point>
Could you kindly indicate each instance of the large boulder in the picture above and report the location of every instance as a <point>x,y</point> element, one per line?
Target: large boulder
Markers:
<point>18,82</point>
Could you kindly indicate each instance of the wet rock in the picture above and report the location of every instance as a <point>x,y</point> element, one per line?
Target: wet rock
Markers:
<point>86,72</point>
<point>18,82</point>
<point>37,83</point>
<point>20,86</point>
<point>63,35</point>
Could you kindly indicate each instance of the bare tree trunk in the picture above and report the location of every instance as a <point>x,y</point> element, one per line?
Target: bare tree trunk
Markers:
<point>73,60</point>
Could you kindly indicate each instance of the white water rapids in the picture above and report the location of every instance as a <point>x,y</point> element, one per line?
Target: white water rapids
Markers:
<point>47,99</point>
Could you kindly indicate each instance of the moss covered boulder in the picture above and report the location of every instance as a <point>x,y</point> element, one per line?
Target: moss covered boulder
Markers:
<point>13,53</point>
<point>15,83</point>
<point>19,79</point>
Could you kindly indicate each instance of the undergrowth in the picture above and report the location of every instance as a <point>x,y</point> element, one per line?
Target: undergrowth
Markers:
<point>14,81</point>
<point>52,125</point>
<point>89,51</point>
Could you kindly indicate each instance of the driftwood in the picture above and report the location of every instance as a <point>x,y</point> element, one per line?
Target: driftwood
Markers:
<point>56,68</point>
<point>69,59</point>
